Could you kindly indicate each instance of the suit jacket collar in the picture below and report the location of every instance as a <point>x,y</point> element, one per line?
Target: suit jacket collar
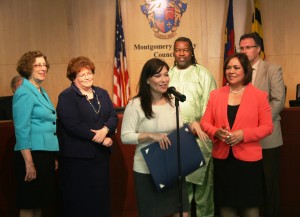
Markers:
<point>260,72</point>
<point>76,89</point>
<point>41,96</point>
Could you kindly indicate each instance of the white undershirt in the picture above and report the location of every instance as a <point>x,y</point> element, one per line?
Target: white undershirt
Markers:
<point>254,71</point>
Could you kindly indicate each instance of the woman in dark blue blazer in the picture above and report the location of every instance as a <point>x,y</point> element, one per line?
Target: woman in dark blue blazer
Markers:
<point>86,120</point>
<point>36,141</point>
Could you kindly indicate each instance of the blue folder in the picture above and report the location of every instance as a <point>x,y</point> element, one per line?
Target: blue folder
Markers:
<point>163,164</point>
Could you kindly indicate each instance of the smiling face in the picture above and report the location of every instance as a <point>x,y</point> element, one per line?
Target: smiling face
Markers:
<point>182,54</point>
<point>159,82</point>
<point>84,78</point>
<point>235,73</point>
<point>39,71</point>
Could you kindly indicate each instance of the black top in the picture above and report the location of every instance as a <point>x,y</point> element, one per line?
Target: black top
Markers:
<point>231,114</point>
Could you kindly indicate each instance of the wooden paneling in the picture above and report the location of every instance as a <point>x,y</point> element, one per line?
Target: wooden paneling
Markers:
<point>67,28</point>
<point>7,178</point>
<point>290,163</point>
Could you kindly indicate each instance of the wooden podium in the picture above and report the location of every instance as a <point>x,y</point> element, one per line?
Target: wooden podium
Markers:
<point>290,162</point>
<point>7,175</point>
<point>123,201</point>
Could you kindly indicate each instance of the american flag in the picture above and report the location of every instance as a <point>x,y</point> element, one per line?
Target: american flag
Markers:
<point>121,76</point>
<point>229,35</point>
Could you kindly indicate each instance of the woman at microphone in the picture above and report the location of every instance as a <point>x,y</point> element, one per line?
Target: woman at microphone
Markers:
<point>148,118</point>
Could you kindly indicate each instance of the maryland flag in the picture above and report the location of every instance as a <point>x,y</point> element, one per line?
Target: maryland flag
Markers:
<point>257,26</point>
<point>229,35</point>
<point>121,75</point>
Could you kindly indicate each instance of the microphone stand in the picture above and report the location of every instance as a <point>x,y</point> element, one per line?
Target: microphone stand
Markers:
<point>178,158</point>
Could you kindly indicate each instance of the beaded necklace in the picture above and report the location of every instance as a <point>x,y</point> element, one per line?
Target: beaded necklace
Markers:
<point>236,92</point>
<point>98,102</point>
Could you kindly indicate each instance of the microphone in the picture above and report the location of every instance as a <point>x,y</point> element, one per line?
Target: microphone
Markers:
<point>178,95</point>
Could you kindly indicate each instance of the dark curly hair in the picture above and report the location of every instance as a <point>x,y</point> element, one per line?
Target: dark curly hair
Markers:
<point>25,63</point>
<point>76,64</point>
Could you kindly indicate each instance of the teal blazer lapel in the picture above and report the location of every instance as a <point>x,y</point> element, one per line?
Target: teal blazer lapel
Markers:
<point>42,97</point>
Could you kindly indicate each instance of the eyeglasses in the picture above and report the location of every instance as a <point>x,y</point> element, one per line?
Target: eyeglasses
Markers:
<point>40,65</point>
<point>246,48</point>
<point>87,75</point>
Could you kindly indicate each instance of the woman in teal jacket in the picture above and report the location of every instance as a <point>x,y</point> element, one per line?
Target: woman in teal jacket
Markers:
<point>36,141</point>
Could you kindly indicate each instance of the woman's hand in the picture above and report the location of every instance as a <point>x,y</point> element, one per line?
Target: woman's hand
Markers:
<point>235,137</point>
<point>56,165</point>
<point>100,134</point>
<point>222,134</point>
<point>30,172</point>
<point>107,142</point>
<point>29,165</point>
<point>162,139</point>
<point>196,130</point>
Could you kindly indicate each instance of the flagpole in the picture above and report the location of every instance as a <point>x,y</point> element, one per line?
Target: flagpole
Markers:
<point>229,47</point>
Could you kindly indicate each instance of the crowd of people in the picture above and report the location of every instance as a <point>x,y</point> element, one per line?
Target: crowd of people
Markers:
<point>237,128</point>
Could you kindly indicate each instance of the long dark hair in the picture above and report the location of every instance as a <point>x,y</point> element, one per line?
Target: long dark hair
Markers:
<point>151,67</point>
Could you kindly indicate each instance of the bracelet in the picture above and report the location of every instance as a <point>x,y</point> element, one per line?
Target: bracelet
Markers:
<point>107,129</point>
<point>28,166</point>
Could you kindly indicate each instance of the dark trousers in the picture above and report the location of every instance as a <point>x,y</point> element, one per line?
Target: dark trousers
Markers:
<point>271,165</point>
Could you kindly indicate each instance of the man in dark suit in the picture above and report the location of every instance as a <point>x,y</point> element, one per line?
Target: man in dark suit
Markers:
<point>268,77</point>
<point>6,101</point>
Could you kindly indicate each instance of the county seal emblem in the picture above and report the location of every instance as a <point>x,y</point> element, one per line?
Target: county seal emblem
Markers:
<point>164,16</point>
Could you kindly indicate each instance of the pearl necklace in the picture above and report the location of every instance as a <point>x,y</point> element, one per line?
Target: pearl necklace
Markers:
<point>98,102</point>
<point>236,92</point>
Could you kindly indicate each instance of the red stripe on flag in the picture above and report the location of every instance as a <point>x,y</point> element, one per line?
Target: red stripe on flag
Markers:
<point>121,76</point>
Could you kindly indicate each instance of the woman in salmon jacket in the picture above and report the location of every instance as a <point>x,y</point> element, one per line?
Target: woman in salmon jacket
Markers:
<point>237,117</point>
